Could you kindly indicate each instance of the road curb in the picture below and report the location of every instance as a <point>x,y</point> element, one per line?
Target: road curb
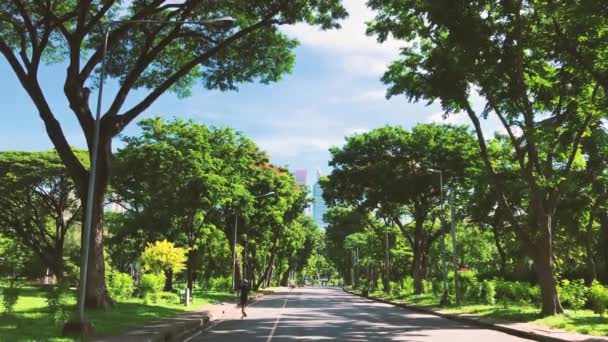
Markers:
<point>499,325</point>
<point>170,329</point>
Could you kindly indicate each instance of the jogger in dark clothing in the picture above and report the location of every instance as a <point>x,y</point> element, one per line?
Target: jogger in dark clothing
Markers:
<point>244,297</point>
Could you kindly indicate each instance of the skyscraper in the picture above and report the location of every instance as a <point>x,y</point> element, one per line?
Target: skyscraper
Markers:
<point>301,176</point>
<point>318,207</point>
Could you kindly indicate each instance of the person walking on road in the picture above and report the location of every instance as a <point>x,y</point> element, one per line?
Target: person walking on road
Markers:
<point>244,297</point>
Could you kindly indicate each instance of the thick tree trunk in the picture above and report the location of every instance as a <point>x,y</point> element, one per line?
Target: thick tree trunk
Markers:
<point>269,278</point>
<point>543,261</point>
<point>501,251</point>
<point>285,277</point>
<point>59,268</point>
<point>97,296</point>
<point>419,264</point>
<point>190,269</point>
<point>603,244</point>
<point>168,280</point>
<point>591,270</point>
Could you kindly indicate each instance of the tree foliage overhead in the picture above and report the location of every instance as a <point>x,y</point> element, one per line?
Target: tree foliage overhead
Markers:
<point>39,204</point>
<point>153,46</point>
<point>387,171</point>
<point>540,67</point>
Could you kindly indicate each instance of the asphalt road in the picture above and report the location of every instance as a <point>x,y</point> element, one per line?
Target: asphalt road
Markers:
<point>317,314</point>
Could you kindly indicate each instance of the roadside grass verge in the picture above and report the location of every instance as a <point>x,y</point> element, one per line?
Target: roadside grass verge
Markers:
<point>32,319</point>
<point>581,321</point>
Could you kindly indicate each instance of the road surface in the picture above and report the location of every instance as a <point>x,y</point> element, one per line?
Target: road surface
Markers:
<point>322,314</point>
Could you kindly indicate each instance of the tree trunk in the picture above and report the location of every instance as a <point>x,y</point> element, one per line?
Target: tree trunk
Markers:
<point>269,278</point>
<point>190,269</point>
<point>96,295</point>
<point>591,270</point>
<point>169,280</point>
<point>543,261</point>
<point>603,244</point>
<point>285,277</point>
<point>501,251</point>
<point>419,265</point>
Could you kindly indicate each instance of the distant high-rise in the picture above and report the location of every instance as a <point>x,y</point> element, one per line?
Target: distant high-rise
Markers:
<point>301,176</point>
<point>318,207</point>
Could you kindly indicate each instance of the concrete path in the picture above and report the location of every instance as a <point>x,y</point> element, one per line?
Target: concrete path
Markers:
<point>317,314</point>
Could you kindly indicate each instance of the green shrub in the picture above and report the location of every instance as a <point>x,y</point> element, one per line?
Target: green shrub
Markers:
<point>395,288</point>
<point>152,297</point>
<point>437,287</point>
<point>573,294</point>
<point>598,295</point>
<point>379,284</point>
<point>169,297</point>
<point>488,292</point>
<point>10,296</point>
<point>407,286</point>
<point>151,285</point>
<point>519,292</point>
<point>120,285</point>
<point>469,286</point>
<point>57,301</point>
<point>220,284</point>
<point>427,286</point>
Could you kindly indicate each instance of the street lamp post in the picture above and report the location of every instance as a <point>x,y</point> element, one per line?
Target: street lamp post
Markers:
<point>445,298</point>
<point>236,216</point>
<point>454,254</point>
<point>79,326</point>
<point>387,287</point>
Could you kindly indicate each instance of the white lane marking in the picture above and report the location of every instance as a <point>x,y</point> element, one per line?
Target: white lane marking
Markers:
<point>277,321</point>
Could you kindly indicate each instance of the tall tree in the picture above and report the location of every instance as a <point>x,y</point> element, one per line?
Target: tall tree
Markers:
<point>176,173</point>
<point>142,54</point>
<point>38,205</point>
<point>540,68</point>
<point>387,170</point>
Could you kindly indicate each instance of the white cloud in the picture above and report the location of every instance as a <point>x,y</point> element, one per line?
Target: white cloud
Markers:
<point>373,95</point>
<point>288,145</point>
<point>356,131</point>
<point>357,53</point>
<point>453,119</point>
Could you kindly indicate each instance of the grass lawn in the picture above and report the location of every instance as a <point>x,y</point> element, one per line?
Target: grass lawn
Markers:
<point>32,320</point>
<point>582,321</point>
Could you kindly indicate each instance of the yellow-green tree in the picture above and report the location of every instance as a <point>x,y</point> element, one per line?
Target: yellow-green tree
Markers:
<point>163,256</point>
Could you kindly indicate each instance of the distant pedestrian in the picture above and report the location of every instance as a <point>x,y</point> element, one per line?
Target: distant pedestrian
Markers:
<point>291,285</point>
<point>244,297</point>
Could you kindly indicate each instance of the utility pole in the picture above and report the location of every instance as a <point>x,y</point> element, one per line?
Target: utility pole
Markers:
<point>387,287</point>
<point>455,256</point>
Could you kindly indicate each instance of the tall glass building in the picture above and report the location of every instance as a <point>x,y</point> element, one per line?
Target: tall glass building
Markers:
<point>318,207</point>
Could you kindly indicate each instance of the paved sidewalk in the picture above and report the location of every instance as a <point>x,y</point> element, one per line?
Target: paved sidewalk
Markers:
<point>179,327</point>
<point>521,329</point>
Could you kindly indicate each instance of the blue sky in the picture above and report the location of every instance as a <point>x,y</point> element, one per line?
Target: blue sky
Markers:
<point>334,91</point>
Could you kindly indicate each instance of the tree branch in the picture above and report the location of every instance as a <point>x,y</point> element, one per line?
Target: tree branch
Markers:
<point>119,122</point>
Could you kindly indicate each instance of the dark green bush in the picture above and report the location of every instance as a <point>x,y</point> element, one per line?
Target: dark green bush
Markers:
<point>151,285</point>
<point>573,294</point>
<point>57,300</point>
<point>10,296</point>
<point>169,297</point>
<point>488,292</point>
<point>517,292</point>
<point>120,285</point>
<point>598,295</point>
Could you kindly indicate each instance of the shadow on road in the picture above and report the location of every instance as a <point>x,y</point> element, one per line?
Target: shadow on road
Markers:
<point>329,314</point>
